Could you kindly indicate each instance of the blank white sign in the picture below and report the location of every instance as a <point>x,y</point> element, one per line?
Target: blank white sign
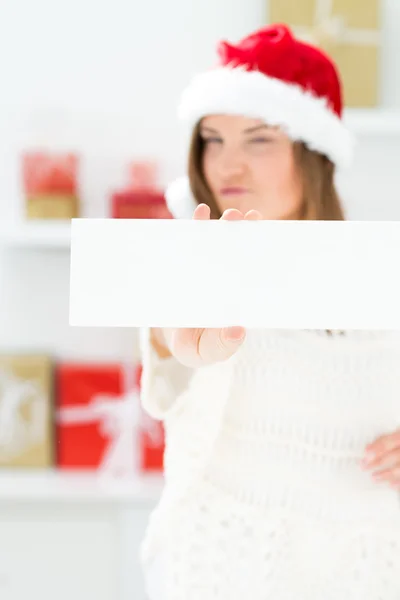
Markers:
<point>274,274</point>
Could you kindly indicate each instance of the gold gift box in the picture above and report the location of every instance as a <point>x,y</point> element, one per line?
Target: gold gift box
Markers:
<point>51,206</point>
<point>349,31</point>
<point>26,411</point>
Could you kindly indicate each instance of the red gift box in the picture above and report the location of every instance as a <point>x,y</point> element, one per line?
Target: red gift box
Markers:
<point>141,199</point>
<point>50,182</point>
<point>100,422</point>
<point>139,204</point>
<point>45,173</point>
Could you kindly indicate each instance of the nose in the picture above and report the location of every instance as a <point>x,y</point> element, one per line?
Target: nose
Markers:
<point>230,164</point>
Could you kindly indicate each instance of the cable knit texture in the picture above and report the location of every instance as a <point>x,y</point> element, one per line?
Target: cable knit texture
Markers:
<point>265,497</point>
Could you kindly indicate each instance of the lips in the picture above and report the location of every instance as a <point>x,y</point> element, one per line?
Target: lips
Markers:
<point>233,191</point>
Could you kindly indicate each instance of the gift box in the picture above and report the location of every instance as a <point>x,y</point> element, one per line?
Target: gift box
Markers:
<point>141,199</point>
<point>26,411</point>
<point>100,422</point>
<point>350,32</point>
<point>50,183</point>
<point>136,204</point>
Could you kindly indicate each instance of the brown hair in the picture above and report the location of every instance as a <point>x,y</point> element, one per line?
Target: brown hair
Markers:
<point>320,198</point>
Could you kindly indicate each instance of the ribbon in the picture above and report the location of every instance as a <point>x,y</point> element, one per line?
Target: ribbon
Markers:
<point>18,435</point>
<point>122,419</point>
<point>334,29</point>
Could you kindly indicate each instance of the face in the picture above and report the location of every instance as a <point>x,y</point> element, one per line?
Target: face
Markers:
<point>249,165</point>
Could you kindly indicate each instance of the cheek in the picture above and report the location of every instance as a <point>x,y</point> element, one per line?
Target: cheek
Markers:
<point>277,179</point>
<point>271,171</point>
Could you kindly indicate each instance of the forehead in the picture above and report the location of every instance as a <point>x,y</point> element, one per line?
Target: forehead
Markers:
<point>229,122</point>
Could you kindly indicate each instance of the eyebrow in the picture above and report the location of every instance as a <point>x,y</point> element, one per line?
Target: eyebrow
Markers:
<point>250,130</point>
<point>256,128</point>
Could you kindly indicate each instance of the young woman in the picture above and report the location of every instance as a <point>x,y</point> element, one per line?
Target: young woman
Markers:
<point>282,458</point>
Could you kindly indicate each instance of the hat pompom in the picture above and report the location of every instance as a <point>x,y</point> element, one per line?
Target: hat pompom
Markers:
<point>179,198</point>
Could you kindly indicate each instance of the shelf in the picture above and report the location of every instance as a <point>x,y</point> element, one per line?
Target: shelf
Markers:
<point>377,121</point>
<point>55,486</point>
<point>36,234</point>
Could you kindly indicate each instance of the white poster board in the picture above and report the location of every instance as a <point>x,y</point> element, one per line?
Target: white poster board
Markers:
<point>273,274</point>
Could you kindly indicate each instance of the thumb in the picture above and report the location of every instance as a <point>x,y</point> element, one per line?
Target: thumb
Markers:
<point>216,345</point>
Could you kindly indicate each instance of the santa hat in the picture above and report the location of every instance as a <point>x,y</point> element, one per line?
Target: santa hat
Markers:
<point>273,76</point>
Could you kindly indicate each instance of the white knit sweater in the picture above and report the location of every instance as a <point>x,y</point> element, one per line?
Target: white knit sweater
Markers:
<point>265,497</point>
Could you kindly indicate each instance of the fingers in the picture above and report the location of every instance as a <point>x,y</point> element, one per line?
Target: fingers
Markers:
<point>202,213</point>
<point>389,476</point>
<point>232,214</point>
<point>382,445</point>
<point>253,215</point>
<point>233,334</point>
<point>184,344</point>
<point>383,459</point>
<point>217,345</point>
<point>196,348</point>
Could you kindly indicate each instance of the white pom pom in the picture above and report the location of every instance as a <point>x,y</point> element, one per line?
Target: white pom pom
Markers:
<point>179,199</point>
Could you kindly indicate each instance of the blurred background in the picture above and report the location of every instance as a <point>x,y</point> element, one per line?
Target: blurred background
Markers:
<point>87,128</point>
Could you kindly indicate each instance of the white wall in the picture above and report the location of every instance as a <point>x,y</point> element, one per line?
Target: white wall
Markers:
<point>104,76</point>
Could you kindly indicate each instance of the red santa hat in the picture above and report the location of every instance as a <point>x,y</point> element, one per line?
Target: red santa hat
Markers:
<point>273,76</point>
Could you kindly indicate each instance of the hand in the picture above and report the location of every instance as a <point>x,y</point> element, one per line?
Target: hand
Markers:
<point>383,459</point>
<point>199,347</point>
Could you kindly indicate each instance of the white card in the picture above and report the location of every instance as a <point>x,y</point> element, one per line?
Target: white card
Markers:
<point>274,274</point>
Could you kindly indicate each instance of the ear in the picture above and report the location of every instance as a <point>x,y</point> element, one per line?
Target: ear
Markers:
<point>179,198</point>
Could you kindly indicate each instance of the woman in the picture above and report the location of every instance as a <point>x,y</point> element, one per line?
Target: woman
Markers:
<point>282,458</point>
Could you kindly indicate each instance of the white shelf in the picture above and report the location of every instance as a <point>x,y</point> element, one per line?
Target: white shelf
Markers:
<point>36,234</point>
<point>55,486</point>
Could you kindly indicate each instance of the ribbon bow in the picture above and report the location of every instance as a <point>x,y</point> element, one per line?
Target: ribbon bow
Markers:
<point>17,435</point>
<point>122,420</point>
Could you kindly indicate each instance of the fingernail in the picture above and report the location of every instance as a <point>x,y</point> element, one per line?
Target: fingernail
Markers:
<point>234,334</point>
<point>253,215</point>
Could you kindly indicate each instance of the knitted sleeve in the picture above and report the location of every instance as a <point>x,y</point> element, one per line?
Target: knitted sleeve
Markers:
<point>163,380</point>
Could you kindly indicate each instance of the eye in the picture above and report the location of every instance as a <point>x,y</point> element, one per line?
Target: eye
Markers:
<point>261,140</point>
<point>212,140</point>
